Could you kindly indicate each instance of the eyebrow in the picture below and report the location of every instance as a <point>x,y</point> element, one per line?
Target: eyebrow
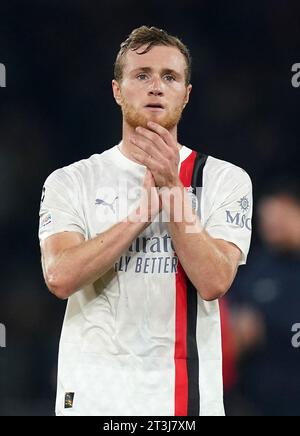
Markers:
<point>164,71</point>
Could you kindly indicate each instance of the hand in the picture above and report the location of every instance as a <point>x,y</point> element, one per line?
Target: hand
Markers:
<point>150,196</point>
<point>151,204</point>
<point>158,151</point>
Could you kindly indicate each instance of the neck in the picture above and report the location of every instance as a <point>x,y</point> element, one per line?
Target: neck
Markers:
<point>127,147</point>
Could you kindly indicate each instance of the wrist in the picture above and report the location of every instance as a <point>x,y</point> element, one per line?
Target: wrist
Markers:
<point>175,183</point>
<point>141,217</point>
<point>179,204</point>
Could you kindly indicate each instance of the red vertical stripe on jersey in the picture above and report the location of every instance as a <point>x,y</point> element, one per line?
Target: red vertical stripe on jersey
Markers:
<point>181,374</point>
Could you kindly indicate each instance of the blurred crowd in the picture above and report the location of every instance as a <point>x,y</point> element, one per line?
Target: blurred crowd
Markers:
<point>264,306</point>
<point>58,108</point>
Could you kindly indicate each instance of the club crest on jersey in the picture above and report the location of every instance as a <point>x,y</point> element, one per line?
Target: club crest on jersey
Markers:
<point>193,198</point>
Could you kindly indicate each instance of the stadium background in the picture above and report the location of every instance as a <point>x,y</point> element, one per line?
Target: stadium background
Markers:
<point>58,108</point>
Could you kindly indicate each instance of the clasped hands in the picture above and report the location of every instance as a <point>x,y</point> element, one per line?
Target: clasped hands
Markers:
<point>156,149</point>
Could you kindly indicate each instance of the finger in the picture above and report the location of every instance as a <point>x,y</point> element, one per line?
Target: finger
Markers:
<point>162,132</point>
<point>144,159</point>
<point>146,146</point>
<point>154,138</point>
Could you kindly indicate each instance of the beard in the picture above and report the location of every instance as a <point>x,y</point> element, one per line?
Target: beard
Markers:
<point>134,118</point>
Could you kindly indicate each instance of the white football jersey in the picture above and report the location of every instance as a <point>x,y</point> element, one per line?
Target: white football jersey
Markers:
<point>140,340</point>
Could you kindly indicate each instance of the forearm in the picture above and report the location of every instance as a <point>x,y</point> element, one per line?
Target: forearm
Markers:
<point>83,264</point>
<point>207,267</point>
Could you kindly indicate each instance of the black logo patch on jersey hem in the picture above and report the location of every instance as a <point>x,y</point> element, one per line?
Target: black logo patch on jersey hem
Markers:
<point>69,399</point>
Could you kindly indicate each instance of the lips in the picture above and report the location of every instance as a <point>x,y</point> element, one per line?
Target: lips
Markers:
<point>155,107</point>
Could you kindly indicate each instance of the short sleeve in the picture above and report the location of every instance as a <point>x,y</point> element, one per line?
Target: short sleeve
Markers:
<point>60,208</point>
<point>231,214</point>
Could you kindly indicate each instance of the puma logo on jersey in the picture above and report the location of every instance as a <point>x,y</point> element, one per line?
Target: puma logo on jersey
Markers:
<point>105,203</point>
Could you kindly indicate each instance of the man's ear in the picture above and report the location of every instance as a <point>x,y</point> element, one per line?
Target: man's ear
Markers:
<point>187,96</point>
<point>117,92</point>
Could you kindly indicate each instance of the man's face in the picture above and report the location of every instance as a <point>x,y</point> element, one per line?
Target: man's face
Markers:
<point>153,87</point>
<point>280,221</point>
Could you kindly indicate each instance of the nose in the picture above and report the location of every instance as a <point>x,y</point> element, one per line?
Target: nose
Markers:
<point>155,87</point>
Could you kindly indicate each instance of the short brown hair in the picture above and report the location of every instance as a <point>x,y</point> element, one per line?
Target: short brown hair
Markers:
<point>150,36</point>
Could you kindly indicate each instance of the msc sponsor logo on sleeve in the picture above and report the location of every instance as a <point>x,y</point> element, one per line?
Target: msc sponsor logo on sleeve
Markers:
<point>244,204</point>
<point>240,219</point>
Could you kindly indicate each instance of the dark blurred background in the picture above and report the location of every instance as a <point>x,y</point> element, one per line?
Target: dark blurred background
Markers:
<point>58,108</point>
